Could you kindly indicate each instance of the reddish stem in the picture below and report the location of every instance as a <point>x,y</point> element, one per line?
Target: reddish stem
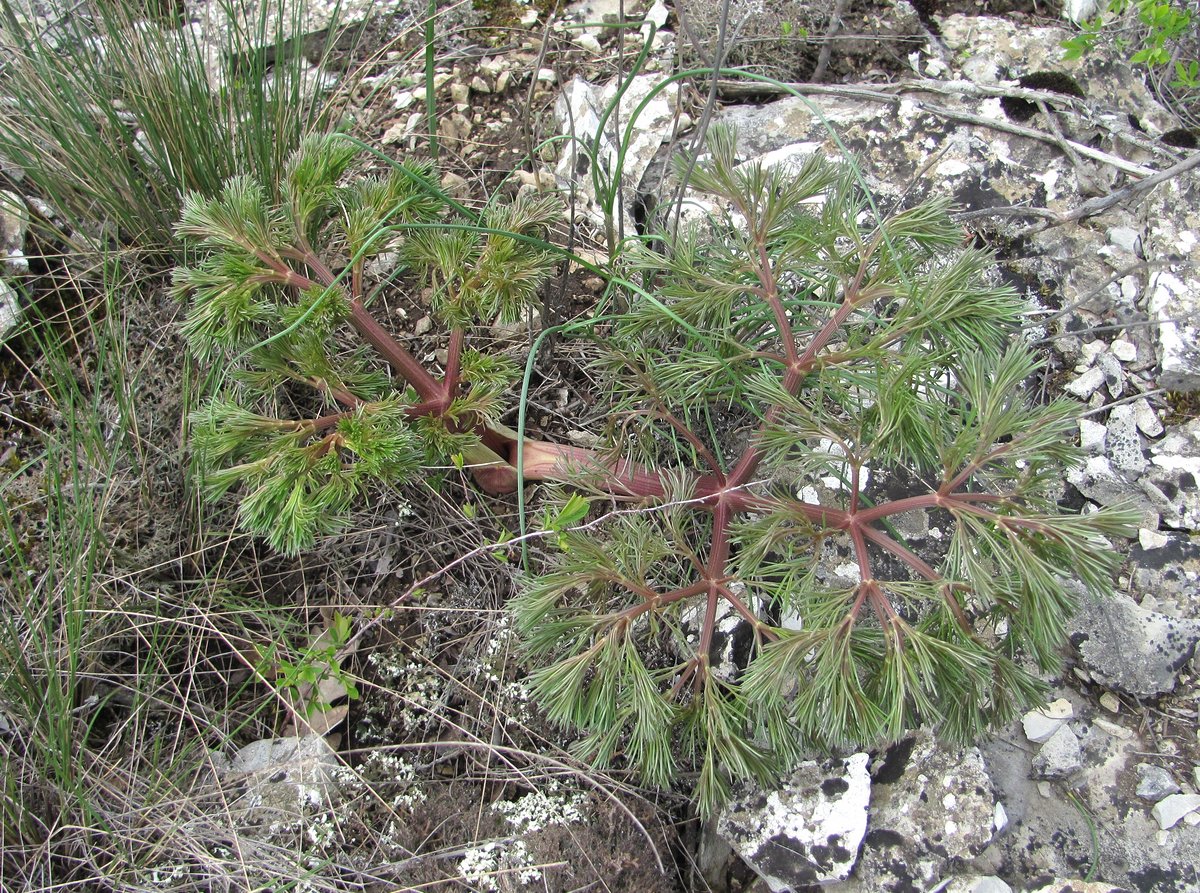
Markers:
<point>403,362</point>
<point>325,422</point>
<point>450,380</point>
<point>742,608</point>
<point>885,542</point>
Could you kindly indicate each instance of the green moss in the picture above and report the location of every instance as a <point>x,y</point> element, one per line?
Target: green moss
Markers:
<point>1185,406</point>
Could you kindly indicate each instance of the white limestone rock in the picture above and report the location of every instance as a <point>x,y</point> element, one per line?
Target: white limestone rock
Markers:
<point>14,224</point>
<point>578,110</point>
<point>1125,351</point>
<point>807,830</point>
<point>1168,811</point>
<point>1092,436</point>
<point>10,309</point>
<point>1127,647</point>
<point>1042,723</point>
<point>1155,782</point>
<point>1083,386</point>
<point>1146,418</point>
<point>1172,479</point>
<point>1175,306</point>
<point>286,778</point>
<point>978,884</point>
<point>932,807</point>
<point>1060,755</point>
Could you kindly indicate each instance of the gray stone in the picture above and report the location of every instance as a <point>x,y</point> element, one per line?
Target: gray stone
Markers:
<point>1084,385</point>
<point>931,808</point>
<point>1167,567</point>
<point>286,778</point>
<point>1175,306</point>
<point>1123,443</point>
<point>1042,723</point>
<point>978,884</point>
<point>10,309</point>
<point>1124,351</point>
<point>1126,239</point>
<point>218,20</point>
<point>14,224</point>
<point>578,111</point>
<point>1146,418</point>
<point>1102,484</point>
<point>1126,647</point>
<point>1091,436</point>
<point>1155,782</point>
<point>1114,376</point>
<point>1171,809</point>
<point>806,830</point>
<point>1060,755</point>
<point>1152,539</point>
<point>1172,479</point>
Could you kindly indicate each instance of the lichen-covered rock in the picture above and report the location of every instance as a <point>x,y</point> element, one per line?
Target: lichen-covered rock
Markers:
<point>1125,646</point>
<point>14,224</point>
<point>1155,782</point>
<point>10,309</point>
<point>1172,479</point>
<point>1166,567</point>
<point>1060,756</point>
<point>1058,885</point>
<point>932,808</point>
<point>806,830</point>
<point>286,778</point>
<point>579,110</point>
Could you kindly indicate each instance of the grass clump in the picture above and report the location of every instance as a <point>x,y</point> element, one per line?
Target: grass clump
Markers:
<point>115,114</point>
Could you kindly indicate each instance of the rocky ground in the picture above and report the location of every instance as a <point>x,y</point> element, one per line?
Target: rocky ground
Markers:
<point>1098,790</point>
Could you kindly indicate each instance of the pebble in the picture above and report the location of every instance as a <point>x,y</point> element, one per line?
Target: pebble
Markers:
<point>1126,239</point>
<point>1091,436</point>
<point>1112,728</point>
<point>423,325</point>
<point>479,85</point>
<point>588,42</point>
<point>1041,724</point>
<point>1146,418</point>
<point>1156,782</point>
<point>460,93</point>
<point>455,184</point>
<point>1114,375</point>
<point>1060,755</point>
<point>1083,386</point>
<point>1152,539</point>
<point>1090,351</point>
<point>1125,351</point>
<point>1171,809</point>
<point>547,76</point>
<point>1110,702</point>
